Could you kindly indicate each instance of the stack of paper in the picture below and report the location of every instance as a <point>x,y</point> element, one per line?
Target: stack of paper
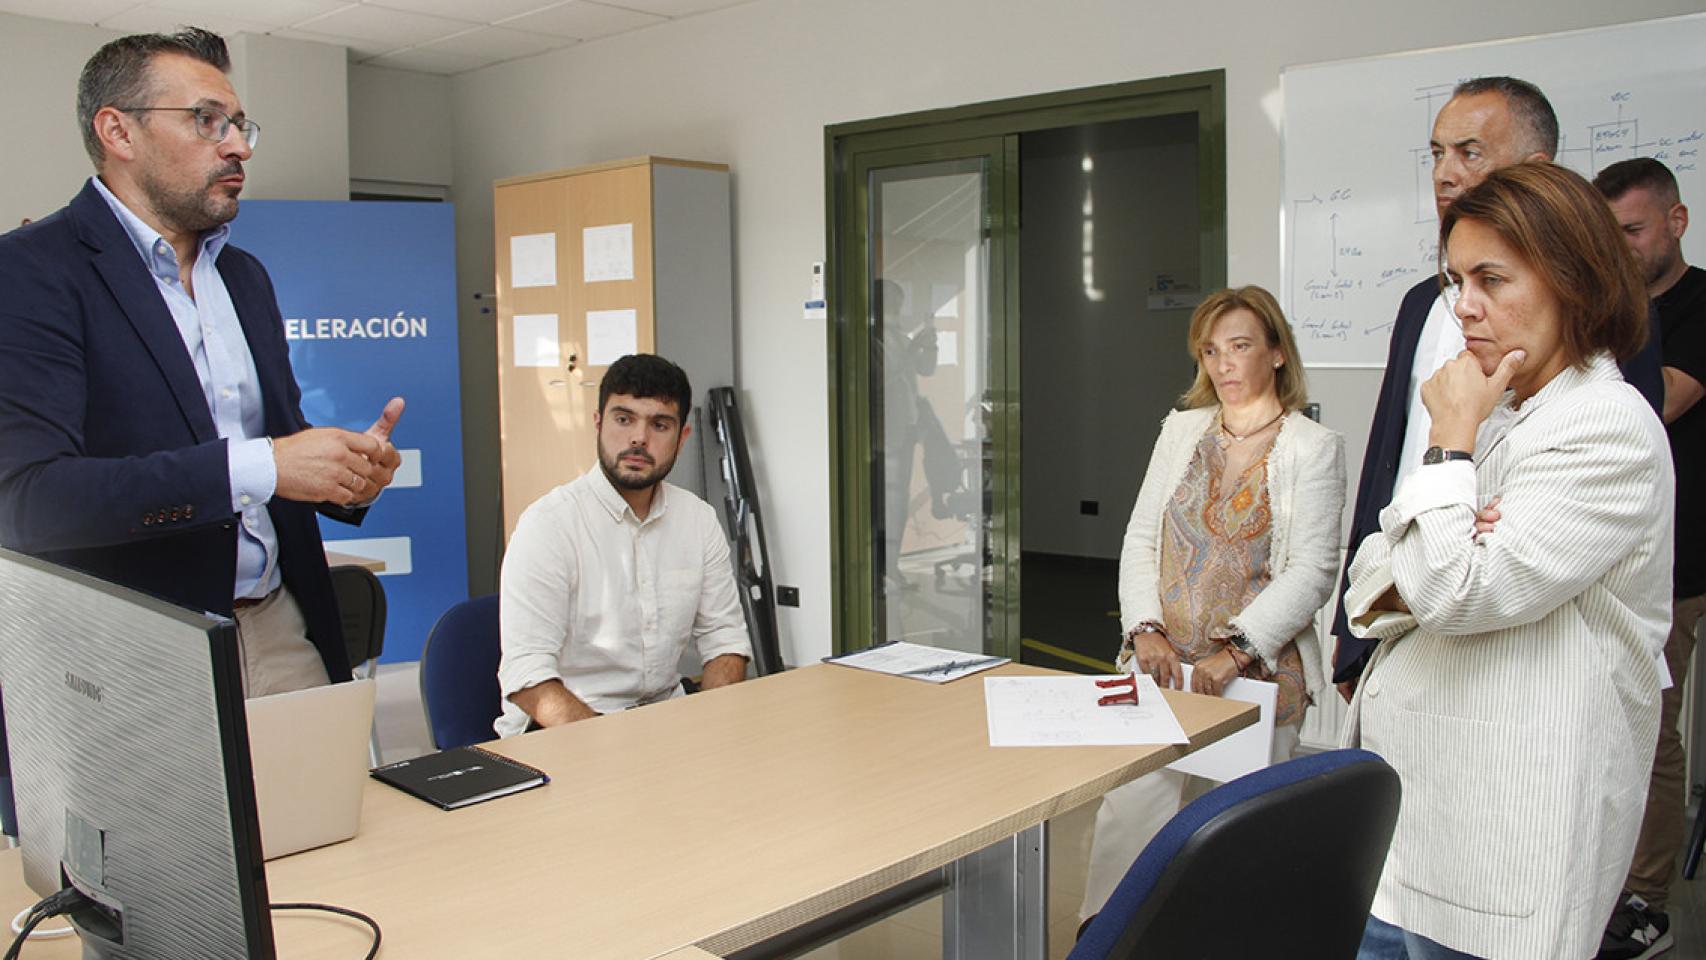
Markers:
<point>1063,711</point>
<point>917,661</point>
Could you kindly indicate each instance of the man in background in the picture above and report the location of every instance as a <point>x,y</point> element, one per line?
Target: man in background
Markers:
<point>610,576</point>
<point>1489,123</point>
<point>1644,197</point>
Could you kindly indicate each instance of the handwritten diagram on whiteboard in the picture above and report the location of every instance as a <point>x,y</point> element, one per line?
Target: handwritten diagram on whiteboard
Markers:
<point>1358,221</point>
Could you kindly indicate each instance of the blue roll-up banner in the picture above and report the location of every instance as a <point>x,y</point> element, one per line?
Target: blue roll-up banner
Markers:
<point>368,293</point>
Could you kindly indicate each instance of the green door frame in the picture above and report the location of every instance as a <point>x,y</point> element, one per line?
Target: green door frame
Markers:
<point>990,129</point>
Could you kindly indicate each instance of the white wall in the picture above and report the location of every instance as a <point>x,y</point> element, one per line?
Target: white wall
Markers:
<point>298,92</point>
<point>754,86</point>
<point>41,153</point>
<point>399,126</point>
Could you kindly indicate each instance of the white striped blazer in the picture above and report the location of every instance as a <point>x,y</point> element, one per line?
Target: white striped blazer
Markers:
<point>1306,494</point>
<point>1519,700</point>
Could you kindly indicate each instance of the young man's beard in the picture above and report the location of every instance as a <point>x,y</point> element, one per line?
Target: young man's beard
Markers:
<point>630,481</point>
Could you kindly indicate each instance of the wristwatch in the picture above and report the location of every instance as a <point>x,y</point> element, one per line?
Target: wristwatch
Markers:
<point>1442,455</point>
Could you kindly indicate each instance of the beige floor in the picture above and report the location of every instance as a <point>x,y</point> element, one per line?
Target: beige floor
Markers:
<point>916,933</point>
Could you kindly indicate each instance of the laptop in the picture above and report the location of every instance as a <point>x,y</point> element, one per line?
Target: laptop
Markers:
<point>309,751</point>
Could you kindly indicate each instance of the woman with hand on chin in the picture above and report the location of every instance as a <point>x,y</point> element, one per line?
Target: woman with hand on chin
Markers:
<point>1517,687</point>
<point>1231,549</point>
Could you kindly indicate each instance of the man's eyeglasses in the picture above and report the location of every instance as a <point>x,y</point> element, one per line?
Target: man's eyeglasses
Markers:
<point>211,124</point>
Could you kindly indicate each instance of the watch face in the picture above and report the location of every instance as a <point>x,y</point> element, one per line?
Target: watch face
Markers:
<point>1434,455</point>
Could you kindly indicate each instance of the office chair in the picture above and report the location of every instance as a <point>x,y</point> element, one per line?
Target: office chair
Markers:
<point>361,604</point>
<point>459,674</point>
<point>1280,863</point>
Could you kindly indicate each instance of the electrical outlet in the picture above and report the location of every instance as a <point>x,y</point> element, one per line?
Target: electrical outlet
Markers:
<point>788,596</point>
<point>1090,508</point>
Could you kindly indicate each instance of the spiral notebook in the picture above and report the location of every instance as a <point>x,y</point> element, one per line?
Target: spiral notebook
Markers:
<point>460,777</point>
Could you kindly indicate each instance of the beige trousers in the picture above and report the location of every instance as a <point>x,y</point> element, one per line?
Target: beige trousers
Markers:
<point>1131,816</point>
<point>277,655</point>
<point>1663,829</point>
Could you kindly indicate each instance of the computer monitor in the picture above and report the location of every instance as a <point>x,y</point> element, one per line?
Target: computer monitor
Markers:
<point>130,762</point>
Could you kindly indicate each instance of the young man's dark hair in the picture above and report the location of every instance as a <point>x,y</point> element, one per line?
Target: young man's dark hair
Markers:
<point>1528,106</point>
<point>118,75</point>
<point>1625,175</point>
<point>648,377</point>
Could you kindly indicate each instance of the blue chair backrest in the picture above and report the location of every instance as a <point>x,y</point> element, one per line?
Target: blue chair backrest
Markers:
<point>1280,863</point>
<point>459,674</point>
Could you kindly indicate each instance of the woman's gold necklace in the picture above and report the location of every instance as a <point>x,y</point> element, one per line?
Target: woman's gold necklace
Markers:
<point>1240,439</point>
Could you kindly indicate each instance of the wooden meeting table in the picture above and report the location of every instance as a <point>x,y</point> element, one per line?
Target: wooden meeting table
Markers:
<point>718,821</point>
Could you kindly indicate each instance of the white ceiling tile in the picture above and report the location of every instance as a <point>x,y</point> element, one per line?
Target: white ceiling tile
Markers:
<point>582,19</point>
<point>278,13</point>
<point>152,19</point>
<point>498,43</point>
<point>429,60</point>
<point>383,25</point>
<point>74,11</point>
<point>677,8</point>
<point>483,11</point>
<point>359,49</point>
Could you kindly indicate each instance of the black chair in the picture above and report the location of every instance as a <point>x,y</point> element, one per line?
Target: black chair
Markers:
<point>361,604</point>
<point>1281,863</point>
<point>459,674</point>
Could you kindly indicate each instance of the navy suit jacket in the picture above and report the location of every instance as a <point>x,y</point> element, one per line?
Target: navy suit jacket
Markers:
<point>109,459</point>
<point>1386,443</point>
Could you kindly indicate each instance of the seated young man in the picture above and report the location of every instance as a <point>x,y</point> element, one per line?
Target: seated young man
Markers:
<point>609,577</point>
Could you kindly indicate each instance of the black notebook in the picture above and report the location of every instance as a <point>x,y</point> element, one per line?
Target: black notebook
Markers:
<point>460,776</point>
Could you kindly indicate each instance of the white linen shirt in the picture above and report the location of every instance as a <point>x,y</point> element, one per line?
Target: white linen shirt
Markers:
<point>606,602</point>
<point>1441,340</point>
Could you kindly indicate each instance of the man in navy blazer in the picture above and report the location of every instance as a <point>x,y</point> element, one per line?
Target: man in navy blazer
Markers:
<point>1489,123</point>
<point>150,427</point>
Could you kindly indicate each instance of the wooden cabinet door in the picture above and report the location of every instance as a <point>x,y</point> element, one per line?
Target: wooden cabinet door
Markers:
<point>545,412</point>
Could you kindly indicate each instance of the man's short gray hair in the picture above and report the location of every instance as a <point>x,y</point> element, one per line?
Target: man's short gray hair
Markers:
<point>1533,112</point>
<point>119,75</point>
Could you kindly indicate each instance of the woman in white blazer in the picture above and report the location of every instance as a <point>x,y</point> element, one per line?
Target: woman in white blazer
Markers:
<point>1231,549</point>
<point>1516,689</point>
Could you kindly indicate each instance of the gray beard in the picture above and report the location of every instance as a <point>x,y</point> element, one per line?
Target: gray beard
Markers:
<point>191,211</point>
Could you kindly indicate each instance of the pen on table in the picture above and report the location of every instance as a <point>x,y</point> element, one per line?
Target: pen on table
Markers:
<point>951,666</point>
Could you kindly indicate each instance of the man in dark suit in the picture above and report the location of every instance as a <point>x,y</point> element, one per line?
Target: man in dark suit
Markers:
<point>150,427</point>
<point>1489,123</point>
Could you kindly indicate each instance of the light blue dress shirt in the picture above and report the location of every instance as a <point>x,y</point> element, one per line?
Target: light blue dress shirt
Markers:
<point>214,338</point>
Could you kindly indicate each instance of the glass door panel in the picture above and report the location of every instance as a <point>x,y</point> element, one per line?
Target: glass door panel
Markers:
<point>932,421</point>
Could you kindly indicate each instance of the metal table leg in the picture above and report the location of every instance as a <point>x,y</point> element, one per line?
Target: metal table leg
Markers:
<point>996,907</point>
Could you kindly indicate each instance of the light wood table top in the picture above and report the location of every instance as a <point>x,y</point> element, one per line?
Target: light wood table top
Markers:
<point>336,559</point>
<point>716,820</point>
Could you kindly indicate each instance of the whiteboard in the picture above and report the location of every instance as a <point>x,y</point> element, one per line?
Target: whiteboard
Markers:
<point>1358,226</point>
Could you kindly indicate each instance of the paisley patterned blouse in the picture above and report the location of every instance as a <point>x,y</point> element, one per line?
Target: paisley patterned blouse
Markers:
<point>1214,561</point>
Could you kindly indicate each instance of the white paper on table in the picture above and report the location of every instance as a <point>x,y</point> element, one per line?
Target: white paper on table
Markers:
<point>610,336</point>
<point>533,260</point>
<point>1246,751</point>
<point>536,341</point>
<point>607,253</point>
<point>917,661</point>
<point>1063,712</point>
